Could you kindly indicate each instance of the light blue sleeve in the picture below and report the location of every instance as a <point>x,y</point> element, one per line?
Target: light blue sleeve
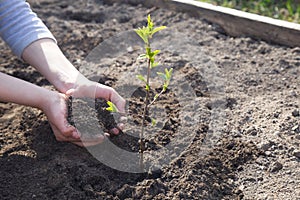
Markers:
<point>19,26</point>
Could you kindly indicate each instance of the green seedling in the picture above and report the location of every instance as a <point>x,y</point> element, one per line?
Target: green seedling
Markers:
<point>112,107</point>
<point>146,34</point>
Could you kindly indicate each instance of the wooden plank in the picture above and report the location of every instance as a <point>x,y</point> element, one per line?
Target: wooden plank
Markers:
<point>234,22</point>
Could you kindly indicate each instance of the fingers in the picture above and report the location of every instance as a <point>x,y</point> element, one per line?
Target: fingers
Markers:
<point>70,133</point>
<point>120,126</point>
<point>112,95</point>
<point>108,93</point>
<point>67,134</point>
<point>119,102</point>
<point>73,138</point>
<point>70,92</point>
<point>87,144</point>
<point>121,120</point>
<point>115,131</point>
<point>118,129</point>
<point>90,141</point>
<point>66,129</point>
<point>97,90</point>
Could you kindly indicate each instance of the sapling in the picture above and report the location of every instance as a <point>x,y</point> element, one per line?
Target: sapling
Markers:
<point>146,34</point>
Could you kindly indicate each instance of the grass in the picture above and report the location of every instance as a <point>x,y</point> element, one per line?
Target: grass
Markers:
<point>288,10</point>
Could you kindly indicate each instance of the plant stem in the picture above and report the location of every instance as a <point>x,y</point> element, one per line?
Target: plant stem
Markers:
<point>158,95</point>
<point>146,103</point>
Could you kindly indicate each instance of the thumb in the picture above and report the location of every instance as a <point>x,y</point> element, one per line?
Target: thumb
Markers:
<point>70,92</point>
<point>120,104</point>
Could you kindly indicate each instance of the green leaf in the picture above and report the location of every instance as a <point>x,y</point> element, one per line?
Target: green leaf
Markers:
<point>139,76</point>
<point>142,32</point>
<point>165,86</point>
<point>154,64</point>
<point>153,121</point>
<point>152,60</point>
<point>168,73</point>
<point>147,87</point>
<point>162,75</point>
<point>150,23</point>
<point>154,53</point>
<point>148,52</point>
<point>158,29</point>
<point>111,107</point>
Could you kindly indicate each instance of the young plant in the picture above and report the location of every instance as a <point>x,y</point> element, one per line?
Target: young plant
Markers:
<point>146,34</point>
<point>112,107</point>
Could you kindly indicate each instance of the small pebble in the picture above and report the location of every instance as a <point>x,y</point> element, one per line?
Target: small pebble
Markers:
<point>276,167</point>
<point>296,129</point>
<point>296,113</point>
<point>241,187</point>
<point>276,114</point>
<point>268,153</point>
<point>130,49</point>
<point>277,133</point>
<point>297,154</point>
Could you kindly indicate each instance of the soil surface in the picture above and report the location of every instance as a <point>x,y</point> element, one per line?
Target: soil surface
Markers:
<point>230,118</point>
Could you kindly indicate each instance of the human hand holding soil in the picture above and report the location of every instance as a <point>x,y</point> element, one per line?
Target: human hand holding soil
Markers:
<point>56,110</point>
<point>31,41</point>
<point>48,59</point>
<point>93,90</point>
<point>53,104</point>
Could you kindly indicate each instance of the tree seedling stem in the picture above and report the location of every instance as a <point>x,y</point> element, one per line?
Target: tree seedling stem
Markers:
<point>146,34</point>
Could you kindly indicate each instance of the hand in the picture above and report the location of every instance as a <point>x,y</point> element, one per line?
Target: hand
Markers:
<point>52,103</point>
<point>86,88</point>
<point>56,112</point>
<point>48,59</point>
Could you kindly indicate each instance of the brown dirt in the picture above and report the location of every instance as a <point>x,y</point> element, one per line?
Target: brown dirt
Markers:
<point>255,85</point>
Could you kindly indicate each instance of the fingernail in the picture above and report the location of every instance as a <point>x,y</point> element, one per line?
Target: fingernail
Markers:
<point>76,135</point>
<point>115,131</point>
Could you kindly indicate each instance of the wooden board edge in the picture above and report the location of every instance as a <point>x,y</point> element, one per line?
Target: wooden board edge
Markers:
<point>234,22</point>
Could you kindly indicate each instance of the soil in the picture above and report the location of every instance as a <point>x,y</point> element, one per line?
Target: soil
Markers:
<point>231,114</point>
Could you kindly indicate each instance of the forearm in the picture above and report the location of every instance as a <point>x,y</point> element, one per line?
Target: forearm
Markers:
<point>48,59</point>
<point>21,92</point>
<point>31,40</point>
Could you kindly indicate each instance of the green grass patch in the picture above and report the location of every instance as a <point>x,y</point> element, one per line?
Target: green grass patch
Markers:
<point>288,10</point>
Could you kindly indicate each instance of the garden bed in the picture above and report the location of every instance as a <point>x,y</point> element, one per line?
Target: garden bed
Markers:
<point>241,135</point>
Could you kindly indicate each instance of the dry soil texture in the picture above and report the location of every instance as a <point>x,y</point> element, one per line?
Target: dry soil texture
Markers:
<point>245,123</point>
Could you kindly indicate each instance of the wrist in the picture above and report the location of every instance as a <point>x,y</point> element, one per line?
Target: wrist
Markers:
<point>48,59</point>
<point>82,87</point>
<point>46,98</point>
<point>64,82</point>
